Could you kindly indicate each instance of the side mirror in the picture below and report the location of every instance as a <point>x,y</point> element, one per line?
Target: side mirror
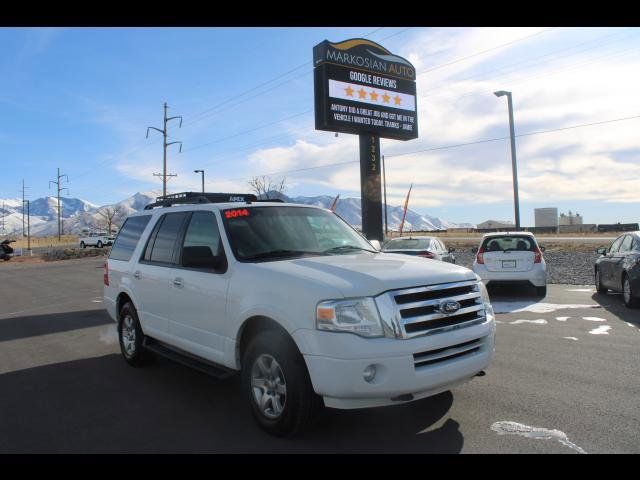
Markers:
<point>451,250</point>
<point>542,249</point>
<point>201,257</point>
<point>474,250</point>
<point>376,244</point>
<point>601,251</point>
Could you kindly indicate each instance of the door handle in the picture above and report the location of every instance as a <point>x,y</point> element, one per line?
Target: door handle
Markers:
<point>177,282</point>
<point>137,274</point>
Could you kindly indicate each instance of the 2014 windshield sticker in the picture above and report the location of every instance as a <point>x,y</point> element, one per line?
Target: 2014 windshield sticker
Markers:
<point>238,212</point>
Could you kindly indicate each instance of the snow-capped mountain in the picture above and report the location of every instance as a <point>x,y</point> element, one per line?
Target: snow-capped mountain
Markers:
<point>79,215</point>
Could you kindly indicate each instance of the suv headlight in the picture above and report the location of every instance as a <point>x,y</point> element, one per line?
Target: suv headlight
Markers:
<point>484,294</point>
<point>356,315</point>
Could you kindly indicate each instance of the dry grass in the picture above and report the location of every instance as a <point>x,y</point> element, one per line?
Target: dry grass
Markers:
<point>46,241</point>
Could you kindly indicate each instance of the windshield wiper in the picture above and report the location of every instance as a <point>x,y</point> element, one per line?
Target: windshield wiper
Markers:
<point>344,248</point>
<point>278,254</point>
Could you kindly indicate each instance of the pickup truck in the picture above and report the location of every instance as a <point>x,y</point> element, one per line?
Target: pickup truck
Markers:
<point>295,300</point>
<point>96,239</point>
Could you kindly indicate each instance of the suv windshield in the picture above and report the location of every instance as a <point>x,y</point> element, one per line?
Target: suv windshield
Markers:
<point>272,233</point>
<point>523,243</point>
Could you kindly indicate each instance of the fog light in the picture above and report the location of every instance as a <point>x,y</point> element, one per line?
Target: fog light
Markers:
<point>369,373</point>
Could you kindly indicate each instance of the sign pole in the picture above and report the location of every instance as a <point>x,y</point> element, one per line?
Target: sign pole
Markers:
<point>370,187</point>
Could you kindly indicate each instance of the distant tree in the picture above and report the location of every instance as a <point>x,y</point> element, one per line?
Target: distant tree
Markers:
<point>108,216</point>
<point>265,187</point>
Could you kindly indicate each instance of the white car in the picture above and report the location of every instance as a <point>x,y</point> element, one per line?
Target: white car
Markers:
<point>511,258</point>
<point>96,239</point>
<point>297,301</point>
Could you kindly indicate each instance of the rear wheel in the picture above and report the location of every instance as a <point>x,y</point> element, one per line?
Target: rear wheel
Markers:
<point>630,300</point>
<point>541,291</point>
<point>599,287</point>
<point>99,245</point>
<point>131,337</point>
<point>277,383</point>
<point>82,245</point>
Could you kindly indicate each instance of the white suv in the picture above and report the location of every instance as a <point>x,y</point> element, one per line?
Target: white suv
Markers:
<point>96,239</point>
<point>297,301</point>
<point>511,258</point>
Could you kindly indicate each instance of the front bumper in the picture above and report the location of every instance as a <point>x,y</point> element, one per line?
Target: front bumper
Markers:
<point>336,362</point>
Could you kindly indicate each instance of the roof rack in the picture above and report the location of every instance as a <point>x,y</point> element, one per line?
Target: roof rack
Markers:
<point>200,197</point>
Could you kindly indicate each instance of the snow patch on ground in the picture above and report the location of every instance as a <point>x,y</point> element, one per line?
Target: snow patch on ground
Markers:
<point>538,307</point>
<point>601,330</point>
<point>589,290</point>
<point>562,319</point>
<point>570,338</point>
<point>537,433</point>
<point>594,319</point>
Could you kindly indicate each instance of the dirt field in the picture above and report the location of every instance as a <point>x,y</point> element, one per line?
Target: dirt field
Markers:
<point>45,241</point>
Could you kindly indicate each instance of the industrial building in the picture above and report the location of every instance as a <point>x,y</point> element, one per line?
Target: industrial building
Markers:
<point>495,224</point>
<point>570,219</point>
<point>546,217</point>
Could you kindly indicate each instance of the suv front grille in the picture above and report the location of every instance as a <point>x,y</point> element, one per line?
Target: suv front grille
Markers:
<point>420,311</point>
<point>431,357</point>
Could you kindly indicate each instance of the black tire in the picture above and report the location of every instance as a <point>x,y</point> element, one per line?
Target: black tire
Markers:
<point>136,355</point>
<point>541,291</point>
<point>82,245</point>
<point>630,301</point>
<point>301,404</point>
<point>99,245</point>
<point>599,287</point>
<point>6,258</point>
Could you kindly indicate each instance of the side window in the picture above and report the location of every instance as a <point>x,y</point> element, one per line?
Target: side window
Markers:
<point>615,245</point>
<point>128,237</point>
<point>162,244</point>
<point>626,244</point>
<point>203,232</point>
<point>636,244</point>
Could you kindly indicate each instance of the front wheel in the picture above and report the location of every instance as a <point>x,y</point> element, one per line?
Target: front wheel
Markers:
<point>99,245</point>
<point>82,245</point>
<point>599,287</point>
<point>277,384</point>
<point>628,294</point>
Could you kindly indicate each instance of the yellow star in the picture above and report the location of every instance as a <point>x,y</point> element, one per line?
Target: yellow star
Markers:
<point>385,98</point>
<point>374,96</point>
<point>349,91</point>
<point>362,93</point>
<point>397,99</point>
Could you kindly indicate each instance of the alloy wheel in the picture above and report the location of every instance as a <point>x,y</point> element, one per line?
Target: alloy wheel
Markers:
<point>129,335</point>
<point>268,386</point>
<point>626,290</point>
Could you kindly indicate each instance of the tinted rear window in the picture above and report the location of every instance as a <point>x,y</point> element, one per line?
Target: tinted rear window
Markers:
<point>128,237</point>
<point>164,244</point>
<point>407,243</point>
<point>511,242</point>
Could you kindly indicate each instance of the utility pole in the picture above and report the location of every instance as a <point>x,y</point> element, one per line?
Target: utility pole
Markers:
<point>59,188</point>
<point>23,187</point>
<point>28,227</point>
<point>3,217</point>
<point>202,172</point>
<point>163,131</point>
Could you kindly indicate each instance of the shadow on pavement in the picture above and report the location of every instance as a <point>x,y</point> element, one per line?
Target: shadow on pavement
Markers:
<point>101,404</point>
<point>613,303</point>
<point>513,292</point>
<point>34,325</point>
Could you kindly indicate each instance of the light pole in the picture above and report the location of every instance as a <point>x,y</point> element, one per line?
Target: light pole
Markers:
<point>202,172</point>
<point>514,166</point>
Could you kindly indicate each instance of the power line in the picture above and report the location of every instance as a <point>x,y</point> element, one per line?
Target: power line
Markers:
<point>487,74</point>
<point>486,51</point>
<point>248,131</point>
<point>446,147</point>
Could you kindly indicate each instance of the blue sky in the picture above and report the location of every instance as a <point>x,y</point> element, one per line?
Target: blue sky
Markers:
<point>81,99</point>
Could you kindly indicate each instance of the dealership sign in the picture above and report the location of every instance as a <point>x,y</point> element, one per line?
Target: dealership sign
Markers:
<point>362,88</point>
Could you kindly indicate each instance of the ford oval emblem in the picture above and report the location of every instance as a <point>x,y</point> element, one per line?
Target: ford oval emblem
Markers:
<point>449,306</point>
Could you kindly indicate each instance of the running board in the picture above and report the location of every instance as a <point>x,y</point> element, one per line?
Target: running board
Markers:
<point>187,359</point>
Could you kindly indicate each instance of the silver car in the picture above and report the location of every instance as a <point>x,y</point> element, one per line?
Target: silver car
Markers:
<point>426,247</point>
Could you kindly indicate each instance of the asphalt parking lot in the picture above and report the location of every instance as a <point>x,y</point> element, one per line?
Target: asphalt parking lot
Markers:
<point>564,380</point>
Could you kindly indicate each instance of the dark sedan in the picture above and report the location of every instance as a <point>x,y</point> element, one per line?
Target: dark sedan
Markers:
<point>618,268</point>
<point>425,247</point>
